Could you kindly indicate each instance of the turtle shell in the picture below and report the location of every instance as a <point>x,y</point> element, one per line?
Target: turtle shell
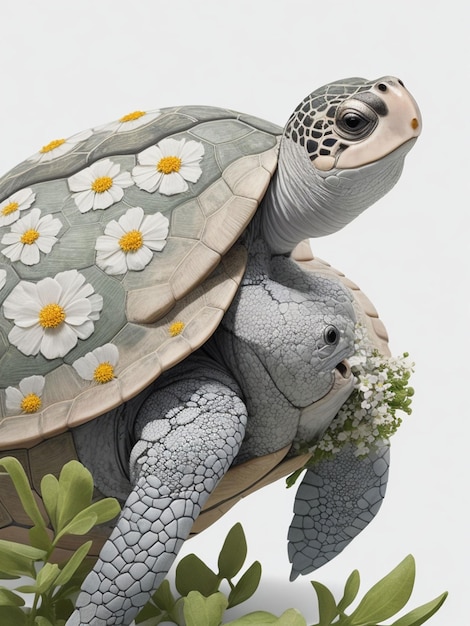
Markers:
<point>118,258</point>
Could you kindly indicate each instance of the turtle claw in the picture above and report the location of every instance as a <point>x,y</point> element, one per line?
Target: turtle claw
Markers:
<point>335,501</point>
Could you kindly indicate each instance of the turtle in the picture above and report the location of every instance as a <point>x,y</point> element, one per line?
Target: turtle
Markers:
<point>161,321</point>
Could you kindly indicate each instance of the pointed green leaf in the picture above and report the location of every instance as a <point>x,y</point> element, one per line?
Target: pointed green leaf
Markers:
<point>327,608</point>
<point>233,553</point>
<point>18,559</point>
<point>10,598</point>
<point>351,589</point>
<point>73,564</point>
<point>388,596</point>
<point>75,492</point>
<point>50,497</point>
<point>194,575</point>
<point>421,614</point>
<point>201,611</point>
<point>23,489</point>
<point>12,616</point>
<point>81,524</point>
<point>163,597</point>
<point>246,586</point>
<point>149,614</point>
<point>105,510</point>
<point>44,579</point>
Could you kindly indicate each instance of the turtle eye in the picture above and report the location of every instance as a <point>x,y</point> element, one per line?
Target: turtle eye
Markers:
<point>355,122</point>
<point>331,335</point>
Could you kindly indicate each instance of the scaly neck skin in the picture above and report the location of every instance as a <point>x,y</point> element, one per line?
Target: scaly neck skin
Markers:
<point>301,203</point>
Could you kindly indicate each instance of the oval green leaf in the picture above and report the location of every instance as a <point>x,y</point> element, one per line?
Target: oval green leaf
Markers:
<point>12,616</point>
<point>201,611</point>
<point>23,489</point>
<point>233,553</point>
<point>192,574</point>
<point>75,492</point>
<point>351,589</point>
<point>73,564</point>
<point>50,497</point>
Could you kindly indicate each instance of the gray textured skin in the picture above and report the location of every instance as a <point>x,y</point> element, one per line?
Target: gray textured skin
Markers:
<point>189,428</point>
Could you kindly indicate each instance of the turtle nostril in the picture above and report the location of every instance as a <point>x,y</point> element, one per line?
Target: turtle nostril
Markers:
<point>414,123</point>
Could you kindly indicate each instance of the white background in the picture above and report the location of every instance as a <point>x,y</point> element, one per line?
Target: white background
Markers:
<point>69,66</point>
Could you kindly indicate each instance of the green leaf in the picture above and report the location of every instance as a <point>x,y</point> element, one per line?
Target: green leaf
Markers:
<point>149,614</point>
<point>40,620</point>
<point>327,608</point>
<point>246,586</point>
<point>233,553</point>
<point>81,524</point>
<point>44,580</point>
<point>10,598</point>
<point>201,611</point>
<point>39,538</point>
<point>421,614</point>
<point>22,486</point>
<point>75,493</point>
<point>163,597</point>
<point>388,596</point>
<point>18,559</point>
<point>50,497</point>
<point>351,589</point>
<point>12,616</point>
<point>192,574</point>
<point>73,564</point>
<point>105,509</point>
<point>291,617</point>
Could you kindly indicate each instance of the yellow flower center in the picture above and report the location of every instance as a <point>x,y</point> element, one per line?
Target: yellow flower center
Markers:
<point>31,403</point>
<point>130,117</point>
<point>103,373</point>
<point>169,164</point>
<point>29,236</point>
<point>51,315</point>
<point>102,184</point>
<point>52,145</point>
<point>131,241</point>
<point>10,208</point>
<point>176,328</point>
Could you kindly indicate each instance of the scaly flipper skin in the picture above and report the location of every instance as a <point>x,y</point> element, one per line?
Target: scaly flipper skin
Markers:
<point>335,501</point>
<point>190,432</point>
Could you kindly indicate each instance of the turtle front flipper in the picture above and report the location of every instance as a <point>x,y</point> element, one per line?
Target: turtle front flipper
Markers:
<point>189,433</point>
<point>335,501</point>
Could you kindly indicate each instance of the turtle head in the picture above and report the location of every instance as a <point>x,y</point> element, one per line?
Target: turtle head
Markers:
<point>343,148</point>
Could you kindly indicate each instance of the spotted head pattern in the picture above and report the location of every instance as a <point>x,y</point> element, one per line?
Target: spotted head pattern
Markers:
<point>331,119</point>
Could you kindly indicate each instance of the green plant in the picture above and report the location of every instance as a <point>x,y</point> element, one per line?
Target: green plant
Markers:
<point>68,503</point>
<point>69,506</point>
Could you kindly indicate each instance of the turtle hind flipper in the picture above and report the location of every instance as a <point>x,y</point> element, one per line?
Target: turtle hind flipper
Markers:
<point>335,501</point>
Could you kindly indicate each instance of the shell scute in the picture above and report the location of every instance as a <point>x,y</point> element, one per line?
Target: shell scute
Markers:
<point>180,277</point>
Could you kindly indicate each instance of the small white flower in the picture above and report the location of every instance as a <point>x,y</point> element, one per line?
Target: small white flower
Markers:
<point>99,364</point>
<point>3,278</point>
<point>51,315</point>
<point>128,243</point>
<point>130,121</point>
<point>11,207</point>
<point>99,186</point>
<point>59,147</point>
<point>29,236</point>
<point>26,399</point>
<point>168,165</point>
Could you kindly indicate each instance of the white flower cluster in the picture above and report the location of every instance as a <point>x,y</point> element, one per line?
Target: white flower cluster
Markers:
<point>369,416</point>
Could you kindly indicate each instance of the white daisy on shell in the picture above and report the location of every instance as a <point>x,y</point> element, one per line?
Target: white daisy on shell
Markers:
<point>29,236</point>
<point>127,243</point>
<point>98,365</point>
<point>27,398</point>
<point>59,147</point>
<point>11,207</point>
<point>51,315</point>
<point>130,121</point>
<point>99,186</point>
<point>3,278</point>
<point>168,165</point>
